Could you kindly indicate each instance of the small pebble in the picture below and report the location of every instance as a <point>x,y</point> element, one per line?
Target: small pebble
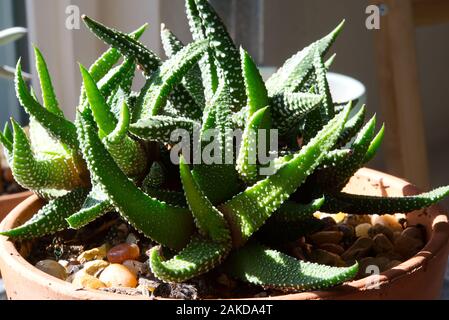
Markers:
<point>122,252</point>
<point>358,250</point>
<point>136,267</point>
<point>64,263</point>
<point>348,231</point>
<point>325,257</point>
<point>328,222</point>
<point>414,232</point>
<point>356,219</point>
<point>332,247</point>
<point>379,262</point>
<point>382,244</point>
<point>407,247</point>
<point>131,239</point>
<point>381,229</point>
<point>387,220</point>
<point>52,268</point>
<point>326,237</point>
<point>117,275</point>
<point>93,254</point>
<point>339,217</point>
<point>93,267</point>
<point>361,230</point>
<point>83,280</point>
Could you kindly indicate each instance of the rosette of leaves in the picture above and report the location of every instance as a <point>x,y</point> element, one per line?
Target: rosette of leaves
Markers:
<point>116,156</point>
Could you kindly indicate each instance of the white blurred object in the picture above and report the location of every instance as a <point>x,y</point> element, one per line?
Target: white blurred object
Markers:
<point>344,89</point>
<point>11,34</point>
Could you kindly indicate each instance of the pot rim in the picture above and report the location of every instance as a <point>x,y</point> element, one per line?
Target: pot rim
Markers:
<point>439,238</point>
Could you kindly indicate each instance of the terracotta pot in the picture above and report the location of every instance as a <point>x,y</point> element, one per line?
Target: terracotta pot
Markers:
<point>9,201</point>
<point>420,277</point>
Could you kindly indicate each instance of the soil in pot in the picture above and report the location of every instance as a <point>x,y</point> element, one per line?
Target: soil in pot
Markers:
<point>110,256</point>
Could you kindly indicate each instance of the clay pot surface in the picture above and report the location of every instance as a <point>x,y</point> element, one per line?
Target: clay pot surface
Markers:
<point>420,277</point>
<point>10,201</point>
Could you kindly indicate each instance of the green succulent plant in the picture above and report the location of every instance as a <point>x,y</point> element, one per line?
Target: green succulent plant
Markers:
<point>115,157</point>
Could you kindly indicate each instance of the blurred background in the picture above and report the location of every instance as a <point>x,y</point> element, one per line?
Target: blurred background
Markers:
<point>407,84</point>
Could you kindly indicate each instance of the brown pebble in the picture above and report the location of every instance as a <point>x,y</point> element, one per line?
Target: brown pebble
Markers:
<point>362,230</point>
<point>414,232</point>
<point>326,237</point>
<point>379,228</point>
<point>52,268</point>
<point>325,257</point>
<point>136,267</point>
<point>388,220</point>
<point>332,247</point>
<point>407,247</point>
<point>122,252</point>
<point>382,243</point>
<point>93,254</point>
<point>93,267</point>
<point>117,275</point>
<point>356,219</point>
<point>328,222</point>
<point>348,231</point>
<point>83,280</point>
<point>358,250</point>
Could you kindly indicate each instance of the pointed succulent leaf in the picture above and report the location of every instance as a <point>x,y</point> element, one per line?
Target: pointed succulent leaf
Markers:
<point>249,210</point>
<point>208,219</point>
<point>128,153</point>
<point>57,172</point>
<point>336,177</point>
<point>48,92</point>
<point>352,127</point>
<point>247,165</point>
<point>192,80</point>
<point>255,86</point>
<point>225,52</point>
<point>51,217</point>
<point>360,204</point>
<point>160,128</point>
<point>6,139</point>
<point>217,117</point>
<point>374,145</point>
<point>95,205</point>
<point>259,265</point>
<point>103,116</point>
<point>327,105</point>
<point>289,108</point>
<point>295,71</point>
<point>207,63</point>
<point>170,74</point>
<point>169,225</point>
<point>60,128</point>
<point>156,177</point>
<point>105,63</point>
<point>119,77</point>
<point>174,198</point>
<point>107,60</point>
<point>125,44</point>
<point>200,256</point>
<point>335,157</point>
